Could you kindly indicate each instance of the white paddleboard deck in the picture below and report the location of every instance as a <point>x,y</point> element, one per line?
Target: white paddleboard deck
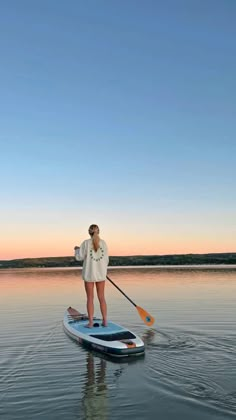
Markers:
<point>113,340</point>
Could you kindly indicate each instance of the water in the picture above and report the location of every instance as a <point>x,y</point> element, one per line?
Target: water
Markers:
<point>188,371</point>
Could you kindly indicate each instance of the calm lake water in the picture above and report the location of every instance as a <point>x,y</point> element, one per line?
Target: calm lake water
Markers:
<point>188,371</point>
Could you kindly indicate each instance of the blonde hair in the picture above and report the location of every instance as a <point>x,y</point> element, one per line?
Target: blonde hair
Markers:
<point>94,233</point>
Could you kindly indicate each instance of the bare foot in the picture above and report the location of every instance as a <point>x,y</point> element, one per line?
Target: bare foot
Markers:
<point>88,326</point>
<point>104,323</point>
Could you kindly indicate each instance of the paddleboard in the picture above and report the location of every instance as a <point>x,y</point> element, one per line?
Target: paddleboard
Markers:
<point>113,340</point>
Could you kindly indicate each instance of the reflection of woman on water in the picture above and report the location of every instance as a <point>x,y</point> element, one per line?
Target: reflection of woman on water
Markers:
<point>95,392</point>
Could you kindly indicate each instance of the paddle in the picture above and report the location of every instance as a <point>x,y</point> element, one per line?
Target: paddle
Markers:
<point>146,317</point>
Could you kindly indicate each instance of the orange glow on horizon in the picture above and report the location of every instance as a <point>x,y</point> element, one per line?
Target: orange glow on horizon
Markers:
<point>169,249</point>
<point>18,243</point>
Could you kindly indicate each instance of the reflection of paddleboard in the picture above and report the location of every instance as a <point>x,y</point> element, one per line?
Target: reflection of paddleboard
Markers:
<point>113,340</point>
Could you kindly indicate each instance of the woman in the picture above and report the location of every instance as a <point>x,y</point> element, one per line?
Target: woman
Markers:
<point>93,252</point>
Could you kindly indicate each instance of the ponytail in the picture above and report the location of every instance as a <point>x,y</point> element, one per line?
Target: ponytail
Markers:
<point>94,233</point>
<point>95,240</point>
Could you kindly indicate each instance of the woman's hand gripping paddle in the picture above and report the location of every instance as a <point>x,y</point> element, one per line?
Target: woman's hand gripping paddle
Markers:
<point>146,317</point>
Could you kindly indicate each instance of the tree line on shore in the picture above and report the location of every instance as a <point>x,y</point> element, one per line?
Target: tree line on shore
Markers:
<point>137,260</point>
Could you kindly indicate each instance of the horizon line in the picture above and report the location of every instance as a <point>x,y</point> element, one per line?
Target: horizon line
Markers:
<point>125,256</point>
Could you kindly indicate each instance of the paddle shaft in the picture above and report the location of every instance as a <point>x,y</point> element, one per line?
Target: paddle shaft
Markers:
<point>121,291</point>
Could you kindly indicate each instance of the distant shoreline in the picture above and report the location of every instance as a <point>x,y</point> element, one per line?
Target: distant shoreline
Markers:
<point>200,267</point>
<point>178,260</point>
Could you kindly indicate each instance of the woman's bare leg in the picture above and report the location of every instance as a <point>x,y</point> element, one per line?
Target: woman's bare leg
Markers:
<point>100,285</point>
<point>89,286</point>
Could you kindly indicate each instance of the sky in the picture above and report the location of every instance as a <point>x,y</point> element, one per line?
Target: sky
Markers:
<point>121,114</point>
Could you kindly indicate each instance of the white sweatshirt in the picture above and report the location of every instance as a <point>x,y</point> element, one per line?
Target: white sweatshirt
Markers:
<point>94,263</point>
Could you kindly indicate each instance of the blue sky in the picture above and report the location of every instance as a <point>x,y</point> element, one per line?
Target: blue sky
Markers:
<point>122,114</point>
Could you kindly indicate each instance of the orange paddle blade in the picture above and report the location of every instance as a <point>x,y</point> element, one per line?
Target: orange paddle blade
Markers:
<point>146,317</point>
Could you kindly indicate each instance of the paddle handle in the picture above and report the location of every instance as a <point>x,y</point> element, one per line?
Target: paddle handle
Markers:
<point>121,291</point>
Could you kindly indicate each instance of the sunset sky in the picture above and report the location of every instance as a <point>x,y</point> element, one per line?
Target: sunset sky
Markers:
<point>120,113</point>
